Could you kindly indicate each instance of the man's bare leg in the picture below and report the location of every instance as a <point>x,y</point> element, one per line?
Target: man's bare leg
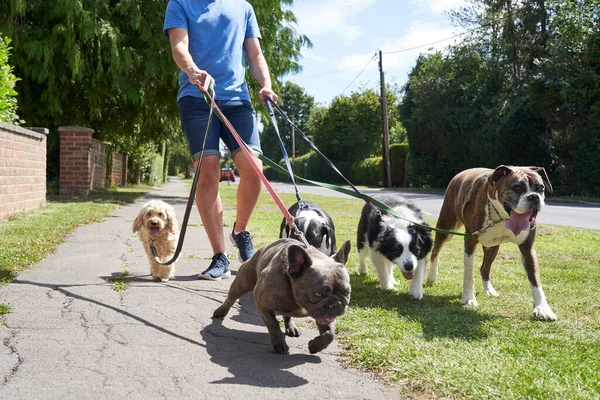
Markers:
<point>208,201</point>
<point>248,190</point>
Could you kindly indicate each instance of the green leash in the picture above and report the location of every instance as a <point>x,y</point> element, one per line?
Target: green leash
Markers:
<point>362,196</point>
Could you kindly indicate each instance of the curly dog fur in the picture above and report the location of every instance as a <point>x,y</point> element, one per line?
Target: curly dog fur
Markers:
<point>156,223</point>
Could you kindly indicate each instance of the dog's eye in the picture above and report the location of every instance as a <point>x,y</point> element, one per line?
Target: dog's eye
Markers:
<point>161,215</point>
<point>540,188</point>
<point>319,294</point>
<point>517,188</point>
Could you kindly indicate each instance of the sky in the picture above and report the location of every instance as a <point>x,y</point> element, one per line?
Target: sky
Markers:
<point>346,34</point>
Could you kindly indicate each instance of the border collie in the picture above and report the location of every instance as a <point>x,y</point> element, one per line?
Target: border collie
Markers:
<point>314,223</point>
<point>391,241</point>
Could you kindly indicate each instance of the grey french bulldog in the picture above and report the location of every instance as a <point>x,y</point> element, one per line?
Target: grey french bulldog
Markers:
<point>294,281</point>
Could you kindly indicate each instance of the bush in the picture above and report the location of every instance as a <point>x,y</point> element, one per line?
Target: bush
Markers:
<point>398,154</point>
<point>368,172</point>
<point>154,175</point>
<point>8,100</point>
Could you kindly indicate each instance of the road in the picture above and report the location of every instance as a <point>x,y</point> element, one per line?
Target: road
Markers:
<point>574,214</point>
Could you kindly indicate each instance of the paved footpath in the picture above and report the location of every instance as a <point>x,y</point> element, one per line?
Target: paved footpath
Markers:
<point>71,336</point>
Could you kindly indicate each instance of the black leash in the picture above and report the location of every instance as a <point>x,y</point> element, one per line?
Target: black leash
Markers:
<point>190,201</point>
<point>301,204</point>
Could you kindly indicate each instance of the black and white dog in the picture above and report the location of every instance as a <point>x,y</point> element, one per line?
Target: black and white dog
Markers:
<point>314,223</point>
<point>392,241</point>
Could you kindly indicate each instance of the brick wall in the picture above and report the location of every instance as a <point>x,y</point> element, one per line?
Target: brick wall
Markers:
<point>22,169</point>
<point>76,160</point>
<point>83,163</point>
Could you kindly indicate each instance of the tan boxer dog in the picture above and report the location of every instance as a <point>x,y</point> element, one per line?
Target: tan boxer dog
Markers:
<point>499,206</point>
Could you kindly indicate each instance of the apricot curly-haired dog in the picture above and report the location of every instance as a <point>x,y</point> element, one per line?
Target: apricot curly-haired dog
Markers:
<point>156,223</point>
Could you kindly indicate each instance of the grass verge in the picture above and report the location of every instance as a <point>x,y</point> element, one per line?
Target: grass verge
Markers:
<point>437,348</point>
<point>27,238</point>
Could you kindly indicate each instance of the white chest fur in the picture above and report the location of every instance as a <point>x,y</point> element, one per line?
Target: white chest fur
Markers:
<point>499,234</point>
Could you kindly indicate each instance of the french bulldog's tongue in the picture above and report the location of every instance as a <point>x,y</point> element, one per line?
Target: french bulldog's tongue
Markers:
<point>326,321</point>
<point>153,231</point>
<point>407,275</point>
<point>519,222</point>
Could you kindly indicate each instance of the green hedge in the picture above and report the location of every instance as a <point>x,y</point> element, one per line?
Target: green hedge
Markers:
<point>398,154</point>
<point>367,172</point>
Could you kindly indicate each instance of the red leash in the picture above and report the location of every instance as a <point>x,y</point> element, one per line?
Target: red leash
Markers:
<point>288,217</point>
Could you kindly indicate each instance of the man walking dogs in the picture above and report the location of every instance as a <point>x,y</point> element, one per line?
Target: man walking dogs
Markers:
<point>209,39</point>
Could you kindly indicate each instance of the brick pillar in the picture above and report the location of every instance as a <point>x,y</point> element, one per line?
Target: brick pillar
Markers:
<point>75,160</point>
<point>124,171</point>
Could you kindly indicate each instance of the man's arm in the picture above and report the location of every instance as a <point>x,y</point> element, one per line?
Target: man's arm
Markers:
<point>259,68</point>
<point>180,49</point>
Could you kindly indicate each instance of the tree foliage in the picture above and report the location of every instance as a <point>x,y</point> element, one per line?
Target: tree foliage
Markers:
<point>8,95</point>
<point>350,128</point>
<point>523,89</point>
<point>106,64</point>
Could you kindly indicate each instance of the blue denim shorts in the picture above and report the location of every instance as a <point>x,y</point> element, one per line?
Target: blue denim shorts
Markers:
<point>193,113</point>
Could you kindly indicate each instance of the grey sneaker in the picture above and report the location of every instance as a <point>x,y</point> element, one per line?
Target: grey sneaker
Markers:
<point>218,268</point>
<point>243,241</point>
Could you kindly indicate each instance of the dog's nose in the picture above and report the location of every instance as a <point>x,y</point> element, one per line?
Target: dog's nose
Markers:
<point>153,223</point>
<point>408,266</point>
<point>335,305</point>
<point>534,198</point>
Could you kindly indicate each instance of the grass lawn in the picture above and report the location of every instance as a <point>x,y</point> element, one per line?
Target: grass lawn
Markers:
<point>437,348</point>
<point>28,238</point>
<point>430,348</point>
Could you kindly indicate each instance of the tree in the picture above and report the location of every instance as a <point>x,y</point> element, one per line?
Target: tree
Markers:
<point>350,129</point>
<point>294,101</point>
<point>106,64</point>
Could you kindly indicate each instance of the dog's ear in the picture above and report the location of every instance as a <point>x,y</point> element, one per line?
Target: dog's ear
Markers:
<point>342,255</point>
<point>138,222</point>
<point>423,240</point>
<point>171,220</point>
<point>500,173</point>
<point>298,261</point>
<point>542,172</point>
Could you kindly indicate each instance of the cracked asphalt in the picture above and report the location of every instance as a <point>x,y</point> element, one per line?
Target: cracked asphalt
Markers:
<point>71,336</point>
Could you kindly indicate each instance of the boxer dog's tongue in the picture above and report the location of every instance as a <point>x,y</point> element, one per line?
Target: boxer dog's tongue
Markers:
<point>407,275</point>
<point>519,222</point>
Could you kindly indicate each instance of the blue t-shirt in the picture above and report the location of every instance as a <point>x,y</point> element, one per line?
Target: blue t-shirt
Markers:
<point>216,30</point>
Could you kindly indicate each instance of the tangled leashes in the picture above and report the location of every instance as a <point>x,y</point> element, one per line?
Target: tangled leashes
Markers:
<point>209,97</point>
<point>381,207</point>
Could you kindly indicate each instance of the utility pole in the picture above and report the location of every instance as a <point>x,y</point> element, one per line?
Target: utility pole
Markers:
<point>385,137</point>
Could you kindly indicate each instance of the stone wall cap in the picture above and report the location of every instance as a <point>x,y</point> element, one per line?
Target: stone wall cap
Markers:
<point>75,128</point>
<point>24,131</point>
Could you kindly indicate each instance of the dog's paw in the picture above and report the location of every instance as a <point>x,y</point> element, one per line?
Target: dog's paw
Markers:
<point>544,313</point>
<point>469,300</point>
<point>416,293</point>
<point>292,331</point>
<point>222,311</point>
<point>319,343</point>
<point>280,347</point>
<point>489,289</point>
<point>164,280</point>
<point>362,270</point>
<point>430,281</point>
